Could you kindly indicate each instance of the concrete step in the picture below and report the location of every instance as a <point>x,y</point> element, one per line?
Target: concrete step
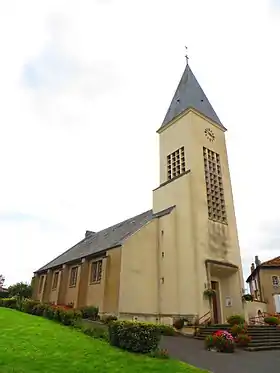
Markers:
<point>265,341</point>
<point>263,348</point>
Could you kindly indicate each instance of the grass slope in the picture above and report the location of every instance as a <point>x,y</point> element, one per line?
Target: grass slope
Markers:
<point>33,344</point>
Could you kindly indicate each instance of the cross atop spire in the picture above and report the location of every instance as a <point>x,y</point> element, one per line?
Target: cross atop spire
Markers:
<point>187,57</point>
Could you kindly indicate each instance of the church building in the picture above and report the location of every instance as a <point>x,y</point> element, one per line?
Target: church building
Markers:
<point>168,261</point>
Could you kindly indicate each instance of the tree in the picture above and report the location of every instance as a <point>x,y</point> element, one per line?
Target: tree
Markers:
<point>2,280</point>
<point>20,290</point>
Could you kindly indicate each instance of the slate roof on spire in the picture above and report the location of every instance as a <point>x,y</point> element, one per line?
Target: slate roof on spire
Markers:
<point>189,95</point>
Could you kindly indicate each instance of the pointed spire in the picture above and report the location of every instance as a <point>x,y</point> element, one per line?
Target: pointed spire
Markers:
<point>189,95</point>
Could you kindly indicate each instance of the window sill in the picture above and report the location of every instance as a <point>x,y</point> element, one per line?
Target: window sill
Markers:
<point>72,286</point>
<point>95,283</point>
<point>54,289</point>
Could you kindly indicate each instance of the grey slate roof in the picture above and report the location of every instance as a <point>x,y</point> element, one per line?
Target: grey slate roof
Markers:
<point>105,239</point>
<point>188,95</point>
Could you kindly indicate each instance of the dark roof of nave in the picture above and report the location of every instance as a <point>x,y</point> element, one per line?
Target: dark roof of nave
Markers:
<point>189,94</point>
<point>105,239</point>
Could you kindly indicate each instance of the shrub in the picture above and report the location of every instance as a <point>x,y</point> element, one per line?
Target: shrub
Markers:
<point>271,320</point>
<point>134,336</point>
<point>90,312</point>
<point>68,317</point>
<point>179,324</point>
<point>28,305</point>
<point>159,354</point>
<point>222,341</point>
<point>210,342</point>
<point>166,330</point>
<point>57,313</point>
<point>235,320</point>
<point>238,329</point>
<point>108,318</point>
<point>242,340</point>
<point>48,312</point>
<point>38,309</point>
<point>9,302</point>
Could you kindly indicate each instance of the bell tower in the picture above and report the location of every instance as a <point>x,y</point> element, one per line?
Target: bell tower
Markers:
<point>195,177</point>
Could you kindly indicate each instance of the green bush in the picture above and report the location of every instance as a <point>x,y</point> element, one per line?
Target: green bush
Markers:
<point>242,340</point>
<point>134,336</point>
<point>28,305</point>
<point>48,312</point>
<point>238,329</point>
<point>89,312</point>
<point>107,318</point>
<point>39,309</point>
<point>68,317</point>
<point>179,324</point>
<point>9,302</point>
<point>166,330</point>
<point>57,314</point>
<point>235,320</point>
<point>271,320</point>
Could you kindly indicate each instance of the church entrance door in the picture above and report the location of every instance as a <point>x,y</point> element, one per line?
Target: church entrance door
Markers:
<point>215,302</point>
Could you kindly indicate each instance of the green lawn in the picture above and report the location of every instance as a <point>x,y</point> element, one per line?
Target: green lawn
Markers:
<point>33,344</point>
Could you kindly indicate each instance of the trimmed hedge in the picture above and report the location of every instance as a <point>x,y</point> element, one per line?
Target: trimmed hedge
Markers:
<point>236,320</point>
<point>8,303</point>
<point>238,329</point>
<point>134,336</point>
<point>90,312</point>
<point>166,330</point>
<point>28,305</point>
<point>271,320</point>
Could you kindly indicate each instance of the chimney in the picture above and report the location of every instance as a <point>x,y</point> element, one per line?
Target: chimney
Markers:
<point>89,233</point>
<point>257,261</point>
<point>252,267</point>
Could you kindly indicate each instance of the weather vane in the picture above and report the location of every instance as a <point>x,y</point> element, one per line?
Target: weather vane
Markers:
<point>187,57</point>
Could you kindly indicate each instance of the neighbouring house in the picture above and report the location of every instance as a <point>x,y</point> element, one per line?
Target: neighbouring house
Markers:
<point>264,283</point>
<point>162,263</point>
<point>3,292</point>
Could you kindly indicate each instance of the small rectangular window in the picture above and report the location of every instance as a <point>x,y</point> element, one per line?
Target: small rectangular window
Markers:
<point>73,276</point>
<point>55,280</point>
<point>275,281</point>
<point>96,271</point>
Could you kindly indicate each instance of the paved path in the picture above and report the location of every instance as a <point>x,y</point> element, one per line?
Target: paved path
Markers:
<point>192,351</point>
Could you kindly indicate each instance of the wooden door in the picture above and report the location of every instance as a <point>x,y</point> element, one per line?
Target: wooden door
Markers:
<point>214,286</point>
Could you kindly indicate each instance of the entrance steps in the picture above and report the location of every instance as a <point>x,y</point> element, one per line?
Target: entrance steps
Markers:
<point>263,337</point>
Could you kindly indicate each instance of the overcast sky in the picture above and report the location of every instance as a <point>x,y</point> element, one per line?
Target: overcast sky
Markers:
<point>84,85</point>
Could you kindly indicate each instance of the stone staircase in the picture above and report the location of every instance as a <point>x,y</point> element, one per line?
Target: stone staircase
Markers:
<point>264,337</point>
